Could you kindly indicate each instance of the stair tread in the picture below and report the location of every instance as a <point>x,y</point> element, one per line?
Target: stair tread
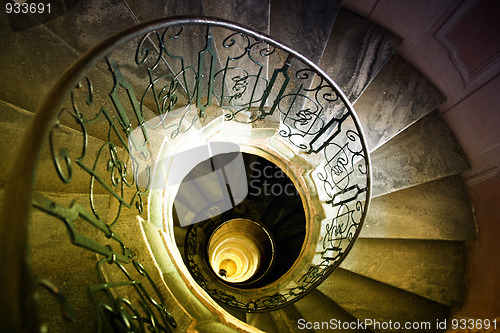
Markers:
<point>425,151</point>
<point>240,84</point>
<point>263,321</point>
<point>399,96</point>
<point>286,320</point>
<point>431,269</point>
<point>253,14</point>
<point>357,50</point>
<point>131,232</point>
<point>53,40</point>
<point>70,268</point>
<point>439,210</point>
<point>155,9</point>
<point>322,313</point>
<point>240,315</point>
<point>367,299</point>
<point>30,59</point>
<point>13,125</point>
<point>312,24</point>
<point>97,19</point>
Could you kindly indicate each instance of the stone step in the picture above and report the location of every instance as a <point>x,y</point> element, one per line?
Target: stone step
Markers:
<point>399,96</point>
<point>47,54</point>
<point>425,151</point>
<point>439,210</point>
<point>93,18</point>
<point>357,50</point>
<point>241,87</point>
<point>262,321</point>
<point>70,268</point>
<point>90,22</point>
<point>93,21</point>
<point>240,315</point>
<point>287,320</point>
<point>129,229</point>
<point>367,300</point>
<point>156,9</point>
<point>312,24</point>
<point>253,14</point>
<point>432,269</point>
<point>13,123</point>
<point>34,60</point>
<point>322,314</point>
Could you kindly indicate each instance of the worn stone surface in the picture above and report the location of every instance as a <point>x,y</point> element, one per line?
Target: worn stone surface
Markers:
<point>356,51</point>
<point>397,97</point>
<point>368,299</point>
<point>46,54</point>
<point>425,151</point>
<point>303,25</point>
<point>253,14</point>
<point>31,64</point>
<point>438,210</point>
<point>89,22</point>
<point>287,319</point>
<point>431,269</point>
<point>263,321</point>
<point>13,125</point>
<point>317,307</point>
<point>242,316</point>
<point>70,268</point>
<point>130,231</point>
<point>156,9</point>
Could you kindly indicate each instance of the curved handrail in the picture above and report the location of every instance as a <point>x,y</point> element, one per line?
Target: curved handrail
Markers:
<point>17,204</point>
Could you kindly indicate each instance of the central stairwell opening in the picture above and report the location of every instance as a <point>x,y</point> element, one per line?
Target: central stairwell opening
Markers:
<point>269,222</point>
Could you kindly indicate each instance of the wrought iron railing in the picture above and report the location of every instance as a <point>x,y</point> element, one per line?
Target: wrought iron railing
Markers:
<point>170,76</point>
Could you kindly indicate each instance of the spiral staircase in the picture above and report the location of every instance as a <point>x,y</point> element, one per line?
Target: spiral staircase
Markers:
<point>406,264</point>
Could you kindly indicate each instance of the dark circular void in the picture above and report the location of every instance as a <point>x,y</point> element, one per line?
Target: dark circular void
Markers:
<point>269,199</point>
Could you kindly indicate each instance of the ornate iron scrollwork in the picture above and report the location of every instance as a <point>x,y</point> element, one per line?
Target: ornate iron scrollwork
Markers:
<point>177,92</point>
